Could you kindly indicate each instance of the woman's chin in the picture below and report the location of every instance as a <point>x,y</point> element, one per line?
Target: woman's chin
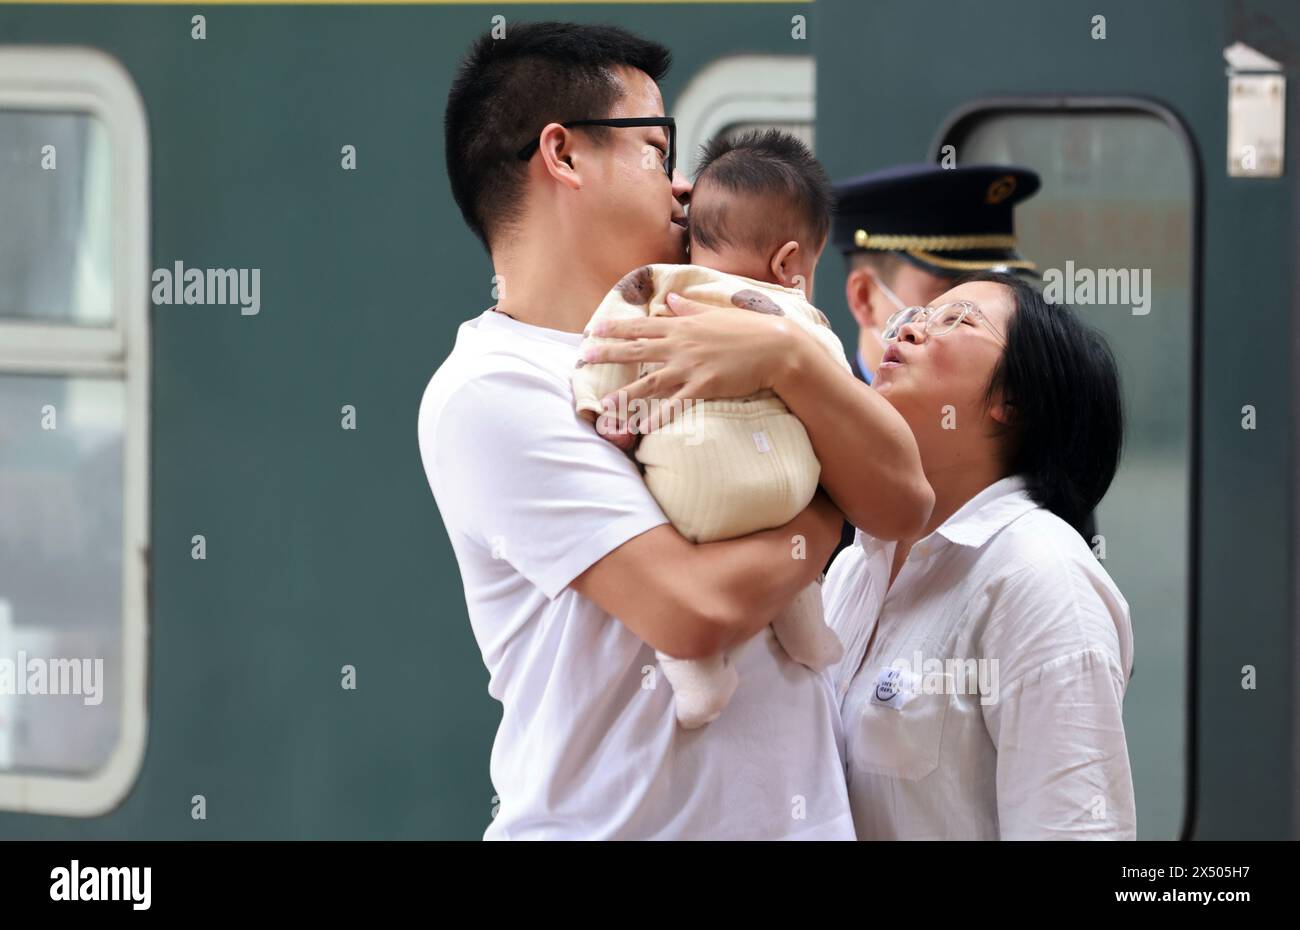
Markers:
<point>885,378</point>
<point>889,386</point>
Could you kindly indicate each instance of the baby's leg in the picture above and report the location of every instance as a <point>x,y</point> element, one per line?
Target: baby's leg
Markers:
<point>802,631</point>
<point>701,687</point>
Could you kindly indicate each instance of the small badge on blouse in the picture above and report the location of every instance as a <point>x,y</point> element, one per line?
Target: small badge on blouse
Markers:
<point>894,687</point>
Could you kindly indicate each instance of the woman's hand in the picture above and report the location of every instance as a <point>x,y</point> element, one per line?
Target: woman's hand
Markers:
<point>707,353</point>
<point>870,463</point>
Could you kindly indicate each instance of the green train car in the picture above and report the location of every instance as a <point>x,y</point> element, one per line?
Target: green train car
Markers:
<point>213,483</point>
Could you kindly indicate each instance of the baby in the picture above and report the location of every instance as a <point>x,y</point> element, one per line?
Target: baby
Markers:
<point>759,218</point>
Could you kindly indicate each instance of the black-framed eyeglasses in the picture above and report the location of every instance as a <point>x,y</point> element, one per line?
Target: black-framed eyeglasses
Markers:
<point>670,160</point>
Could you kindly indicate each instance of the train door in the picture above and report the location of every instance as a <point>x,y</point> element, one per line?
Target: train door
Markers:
<point>1112,233</point>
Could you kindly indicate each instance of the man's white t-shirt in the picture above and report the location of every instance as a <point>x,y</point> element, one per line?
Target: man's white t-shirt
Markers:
<point>589,746</point>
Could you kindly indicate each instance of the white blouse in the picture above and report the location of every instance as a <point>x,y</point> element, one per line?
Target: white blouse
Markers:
<point>982,694</point>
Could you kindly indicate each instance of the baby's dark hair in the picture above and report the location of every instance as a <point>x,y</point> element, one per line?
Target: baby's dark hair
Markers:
<point>765,164</point>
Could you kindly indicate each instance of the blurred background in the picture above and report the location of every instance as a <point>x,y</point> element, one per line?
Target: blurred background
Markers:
<point>197,430</point>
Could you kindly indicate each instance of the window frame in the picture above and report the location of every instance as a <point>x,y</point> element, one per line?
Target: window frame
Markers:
<point>88,81</point>
<point>743,89</point>
<point>952,131</point>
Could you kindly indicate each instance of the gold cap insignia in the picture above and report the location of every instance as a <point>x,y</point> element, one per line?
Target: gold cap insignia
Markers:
<point>1000,189</point>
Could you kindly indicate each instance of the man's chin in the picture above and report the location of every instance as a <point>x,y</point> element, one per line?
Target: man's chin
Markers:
<point>678,247</point>
<point>671,251</point>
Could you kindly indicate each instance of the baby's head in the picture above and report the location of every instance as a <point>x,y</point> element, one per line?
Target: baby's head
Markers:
<point>761,208</point>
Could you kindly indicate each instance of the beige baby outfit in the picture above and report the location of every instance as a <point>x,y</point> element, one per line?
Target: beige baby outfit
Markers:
<point>722,468</point>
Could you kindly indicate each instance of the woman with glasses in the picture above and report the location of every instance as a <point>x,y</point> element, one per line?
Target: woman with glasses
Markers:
<point>986,661</point>
<point>987,656</point>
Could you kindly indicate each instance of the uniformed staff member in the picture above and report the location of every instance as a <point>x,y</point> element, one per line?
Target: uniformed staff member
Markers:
<point>908,232</point>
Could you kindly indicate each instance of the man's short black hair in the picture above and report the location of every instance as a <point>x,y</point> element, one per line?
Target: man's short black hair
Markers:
<point>766,163</point>
<point>1067,426</point>
<point>506,90</point>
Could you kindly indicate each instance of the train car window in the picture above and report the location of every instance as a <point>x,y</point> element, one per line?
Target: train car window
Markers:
<point>55,189</point>
<point>74,381</point>
<point>745,92</point>
<point>1112,230</point>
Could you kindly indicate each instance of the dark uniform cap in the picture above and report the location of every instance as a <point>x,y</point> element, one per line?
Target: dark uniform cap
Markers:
<point>948,221</point>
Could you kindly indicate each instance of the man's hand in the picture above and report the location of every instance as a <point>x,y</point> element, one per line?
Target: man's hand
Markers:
<point>826,521</point>
<point>608,428</point>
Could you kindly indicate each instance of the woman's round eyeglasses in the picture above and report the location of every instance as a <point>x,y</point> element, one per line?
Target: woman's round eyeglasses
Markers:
<point>937,321</point>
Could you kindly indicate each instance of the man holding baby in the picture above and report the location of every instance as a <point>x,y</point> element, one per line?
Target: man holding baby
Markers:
<point>559,155</point>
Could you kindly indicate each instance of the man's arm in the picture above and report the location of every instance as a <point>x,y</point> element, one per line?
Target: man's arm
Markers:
<point>694,600</point>
<point>519,475</point>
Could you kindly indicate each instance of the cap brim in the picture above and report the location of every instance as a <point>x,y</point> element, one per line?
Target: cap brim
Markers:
<point>954,264</point>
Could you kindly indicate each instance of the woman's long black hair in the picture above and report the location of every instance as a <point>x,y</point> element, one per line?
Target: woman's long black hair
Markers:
<point>1067,421</point>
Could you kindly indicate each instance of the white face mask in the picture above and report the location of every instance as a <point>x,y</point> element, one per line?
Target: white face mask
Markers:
<point>877,332</point>
<point>893,298</point>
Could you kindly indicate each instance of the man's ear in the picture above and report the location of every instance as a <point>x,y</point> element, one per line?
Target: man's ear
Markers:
<point>557,151</point>
<point>859,287</point>
<point>784,264</point>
